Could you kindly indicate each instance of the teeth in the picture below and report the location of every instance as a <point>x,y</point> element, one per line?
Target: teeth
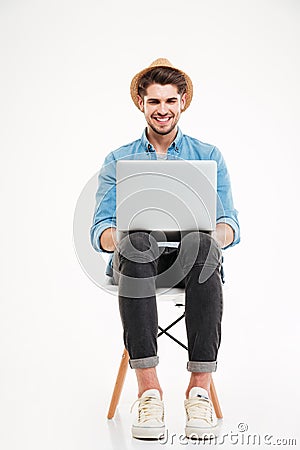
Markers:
<point>163,120</point>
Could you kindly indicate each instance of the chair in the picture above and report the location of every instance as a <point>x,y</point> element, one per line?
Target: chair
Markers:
<point>177,295</point>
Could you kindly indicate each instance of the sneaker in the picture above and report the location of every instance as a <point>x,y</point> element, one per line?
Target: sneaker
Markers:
<point>201,418</point>
<point>150,421</point>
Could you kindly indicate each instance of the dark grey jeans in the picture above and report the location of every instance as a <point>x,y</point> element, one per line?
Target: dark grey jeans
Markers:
<point>139,266</point>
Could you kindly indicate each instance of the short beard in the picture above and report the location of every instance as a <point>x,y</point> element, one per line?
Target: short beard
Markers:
<point>162,133</point>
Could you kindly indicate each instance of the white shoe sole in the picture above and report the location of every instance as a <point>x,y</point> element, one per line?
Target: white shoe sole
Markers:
<point>148,432</point>
<point>202,433</point>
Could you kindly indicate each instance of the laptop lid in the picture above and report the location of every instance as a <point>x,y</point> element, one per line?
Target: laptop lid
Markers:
<point>167,195</point>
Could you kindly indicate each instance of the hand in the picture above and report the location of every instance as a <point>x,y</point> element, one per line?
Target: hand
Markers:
<point>108,240</point>
<point>223,234</point>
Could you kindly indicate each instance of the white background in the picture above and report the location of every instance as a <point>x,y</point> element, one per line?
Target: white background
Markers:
<point>65,71</point>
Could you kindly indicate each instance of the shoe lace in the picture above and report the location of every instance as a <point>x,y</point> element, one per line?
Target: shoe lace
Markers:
<point>150,408</point>
<point>199,408</point>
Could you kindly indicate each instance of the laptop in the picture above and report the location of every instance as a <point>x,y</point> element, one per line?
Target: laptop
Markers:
<point>166,195</point>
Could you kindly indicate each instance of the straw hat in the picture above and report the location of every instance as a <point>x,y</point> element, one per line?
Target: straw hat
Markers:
<point>161,62</point>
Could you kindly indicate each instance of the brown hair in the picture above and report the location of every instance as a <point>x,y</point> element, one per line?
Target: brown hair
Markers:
<point>163,76</point>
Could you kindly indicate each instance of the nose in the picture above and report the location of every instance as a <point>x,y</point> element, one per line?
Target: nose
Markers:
<point>162,109</point>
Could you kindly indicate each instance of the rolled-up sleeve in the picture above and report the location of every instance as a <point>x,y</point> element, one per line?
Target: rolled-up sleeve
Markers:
<point>105,210</point>
<point>226,213</point>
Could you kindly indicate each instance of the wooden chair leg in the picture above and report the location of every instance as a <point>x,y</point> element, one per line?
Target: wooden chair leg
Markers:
<point>118,385</point>
<point>215,401</point>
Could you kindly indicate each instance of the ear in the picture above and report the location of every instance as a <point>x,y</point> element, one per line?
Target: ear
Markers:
<point>141,103</point>
<point>183,101</point>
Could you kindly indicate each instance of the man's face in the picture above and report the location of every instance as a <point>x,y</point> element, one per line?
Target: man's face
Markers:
<point>162,106</point>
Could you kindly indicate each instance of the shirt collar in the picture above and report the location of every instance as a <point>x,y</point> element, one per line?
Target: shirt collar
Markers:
<point>176,144</point>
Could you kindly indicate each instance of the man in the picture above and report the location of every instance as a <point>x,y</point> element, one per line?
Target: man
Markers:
<point>162,93</point>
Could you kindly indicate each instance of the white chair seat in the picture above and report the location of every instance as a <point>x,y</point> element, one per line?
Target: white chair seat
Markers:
<point>174,294</point>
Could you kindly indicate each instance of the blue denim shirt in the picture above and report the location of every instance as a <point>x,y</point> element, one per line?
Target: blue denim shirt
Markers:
<point>183,147</point>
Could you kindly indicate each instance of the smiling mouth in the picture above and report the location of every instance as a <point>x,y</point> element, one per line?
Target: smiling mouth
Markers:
<point>162,120</point>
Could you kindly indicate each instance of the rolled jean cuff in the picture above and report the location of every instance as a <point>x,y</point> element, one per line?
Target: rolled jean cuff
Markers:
<point>144,363</point>
<point>204,366</point>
